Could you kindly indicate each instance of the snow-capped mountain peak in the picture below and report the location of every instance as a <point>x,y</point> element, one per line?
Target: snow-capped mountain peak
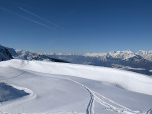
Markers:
<point>142,53</point>
<point>145,54</point>
<point>122,54</point>
<point>115,54</point>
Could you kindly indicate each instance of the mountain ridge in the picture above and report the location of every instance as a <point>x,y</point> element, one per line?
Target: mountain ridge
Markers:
<point>24,55</point>
<point>125,60</point>
<point>140,61</point>
<point>115,54</point>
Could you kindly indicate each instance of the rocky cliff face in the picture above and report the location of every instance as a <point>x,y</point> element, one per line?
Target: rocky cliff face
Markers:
<point>5,54</point>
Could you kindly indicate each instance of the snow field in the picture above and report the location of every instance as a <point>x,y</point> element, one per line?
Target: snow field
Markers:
<point>61,88</point>
<point>128,80</point>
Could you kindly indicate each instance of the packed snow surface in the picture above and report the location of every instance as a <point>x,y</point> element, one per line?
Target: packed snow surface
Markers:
<point>64,88</point>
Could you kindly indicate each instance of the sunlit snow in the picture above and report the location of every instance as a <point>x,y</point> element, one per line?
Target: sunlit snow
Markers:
<point>64,88</point>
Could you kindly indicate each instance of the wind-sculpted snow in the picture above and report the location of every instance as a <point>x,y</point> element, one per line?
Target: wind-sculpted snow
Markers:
<point>8,92</point>
<point>64,88</point>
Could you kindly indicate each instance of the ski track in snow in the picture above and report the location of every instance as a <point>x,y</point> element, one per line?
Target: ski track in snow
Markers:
<point>14,76</point>
<point>106,102</point>
<point>24,63</point>
<point>94,96</point>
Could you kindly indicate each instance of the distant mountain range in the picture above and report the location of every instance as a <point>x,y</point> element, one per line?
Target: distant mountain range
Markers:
<point>123,55</point>
<point>145,54</point>
<point>140,62</point>
<point>10,53</point>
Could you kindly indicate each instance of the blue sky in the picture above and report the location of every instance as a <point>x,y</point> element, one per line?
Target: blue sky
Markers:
<point>76,26</point>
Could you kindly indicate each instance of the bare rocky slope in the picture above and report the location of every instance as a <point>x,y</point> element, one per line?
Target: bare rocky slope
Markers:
<point>5,54</point>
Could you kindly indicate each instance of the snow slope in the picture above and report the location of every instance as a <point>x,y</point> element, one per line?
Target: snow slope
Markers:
<point>64,88</point>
